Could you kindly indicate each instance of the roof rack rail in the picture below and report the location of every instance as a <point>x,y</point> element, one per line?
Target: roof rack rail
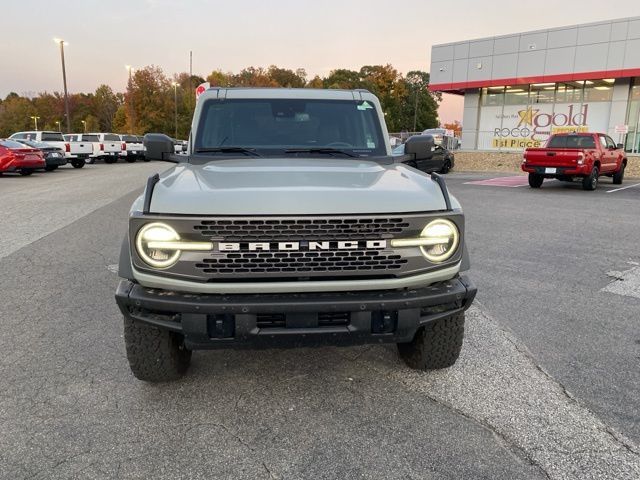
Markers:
<point>443,188</point>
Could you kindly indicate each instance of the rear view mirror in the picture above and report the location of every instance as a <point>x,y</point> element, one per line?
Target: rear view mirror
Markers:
<point>159,147</point>
<point>420,146</point>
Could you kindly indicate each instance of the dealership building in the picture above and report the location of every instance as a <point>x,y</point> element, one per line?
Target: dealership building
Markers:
<point>520,88</point>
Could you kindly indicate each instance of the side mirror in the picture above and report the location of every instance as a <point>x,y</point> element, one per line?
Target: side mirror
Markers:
<point>159,147</point>
<point>420,146</point>
<point>619,145</point>
<point>184,147</point>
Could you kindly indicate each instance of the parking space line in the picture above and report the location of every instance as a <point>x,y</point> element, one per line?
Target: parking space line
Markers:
<point>512,182</point>
<point>623,188</point>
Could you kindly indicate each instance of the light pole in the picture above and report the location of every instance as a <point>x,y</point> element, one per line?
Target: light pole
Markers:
<point>59,126</point>
<point>84,126</point>
<point>35,121</point>
<point>175,105</point>
<point>62,43</point>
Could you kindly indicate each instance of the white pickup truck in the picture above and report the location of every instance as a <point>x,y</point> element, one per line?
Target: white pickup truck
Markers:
<point>77,152</point>
<point>110,147</point>
<point>133,148</point>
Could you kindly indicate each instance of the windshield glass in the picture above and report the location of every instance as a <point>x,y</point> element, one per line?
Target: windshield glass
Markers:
<point>272,126</point>
<point>572,141</point>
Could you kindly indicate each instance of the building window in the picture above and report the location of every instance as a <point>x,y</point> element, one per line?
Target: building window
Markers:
<point>570,92</point>
<point>632,142</point>
<point>492,96</point>
<point>598,90</point>
<point>542,93</point>
<point>516,95</point>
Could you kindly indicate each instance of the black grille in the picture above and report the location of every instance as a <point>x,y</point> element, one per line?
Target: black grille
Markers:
<point>236,230</point>
<point>302,262</point>
<point>325,319</point>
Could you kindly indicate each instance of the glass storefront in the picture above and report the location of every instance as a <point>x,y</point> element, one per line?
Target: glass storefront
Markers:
<point>632,143</point>
<point>520,116</point>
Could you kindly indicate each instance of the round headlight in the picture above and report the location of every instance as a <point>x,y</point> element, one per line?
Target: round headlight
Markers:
<point>157,257</point>
<point>442,239</point>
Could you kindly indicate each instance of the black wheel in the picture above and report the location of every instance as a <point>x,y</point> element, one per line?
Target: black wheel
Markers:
<point>155,355</point>
<point>446,167</point>
<point>435,346</point>
<point>590,182</point>
<point>25,172</point>
<point>619,175</point>
<point>535,180</point>
<point>77,163</point>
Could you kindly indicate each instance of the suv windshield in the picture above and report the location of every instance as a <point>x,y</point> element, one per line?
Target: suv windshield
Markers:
<point>273,126</point>
<point>571,141</point>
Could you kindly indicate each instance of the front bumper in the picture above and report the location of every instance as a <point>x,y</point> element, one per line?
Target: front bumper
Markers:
<point>295,319</point>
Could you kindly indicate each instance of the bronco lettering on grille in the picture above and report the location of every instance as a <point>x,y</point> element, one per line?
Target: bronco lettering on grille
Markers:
<point>299,246</point>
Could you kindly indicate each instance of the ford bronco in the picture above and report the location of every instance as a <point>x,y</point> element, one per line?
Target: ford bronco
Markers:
<point>289,223</point>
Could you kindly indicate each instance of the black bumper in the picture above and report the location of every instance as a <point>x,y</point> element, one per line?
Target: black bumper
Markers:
<point>290,320</point>
<point>55,161</point>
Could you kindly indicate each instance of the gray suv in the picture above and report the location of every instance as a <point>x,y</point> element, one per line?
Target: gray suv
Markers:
<point>289,223</point>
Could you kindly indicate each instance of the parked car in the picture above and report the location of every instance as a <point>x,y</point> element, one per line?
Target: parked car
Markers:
<point>93,139</point>
<point>179,146</point>
<point>567,156</point>
<point>109,147</point>
<point>17,157</point>
<point>53,156</point>
<point>133,148</point>
<point>75,152</point>
<point>441,159</point>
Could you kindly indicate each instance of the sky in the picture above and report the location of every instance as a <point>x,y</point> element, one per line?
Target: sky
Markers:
<point>105,35</point>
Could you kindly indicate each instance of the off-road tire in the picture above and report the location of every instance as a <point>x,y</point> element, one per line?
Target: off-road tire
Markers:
<point>619,175</point>
<point>446,167</point>
<point>590,182</point>
<point>535,180</point>
<point>155,355</point>
<point>435,346</point>
<point>77,163</point>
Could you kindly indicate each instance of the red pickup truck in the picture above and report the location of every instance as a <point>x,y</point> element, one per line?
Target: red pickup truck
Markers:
<point>575,155</point>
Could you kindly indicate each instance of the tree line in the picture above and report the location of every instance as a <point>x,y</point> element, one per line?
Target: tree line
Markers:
<point>149,102</point>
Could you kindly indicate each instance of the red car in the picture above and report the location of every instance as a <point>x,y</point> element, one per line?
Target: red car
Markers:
<point>576,155</point>
<point>16,157</point>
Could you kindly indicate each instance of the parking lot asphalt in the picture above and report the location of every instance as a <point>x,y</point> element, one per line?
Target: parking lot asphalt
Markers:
<point>546,387</point>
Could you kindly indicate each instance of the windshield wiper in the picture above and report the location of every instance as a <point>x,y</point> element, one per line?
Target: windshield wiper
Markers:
<point>329,150</point>
<point>245,150</point>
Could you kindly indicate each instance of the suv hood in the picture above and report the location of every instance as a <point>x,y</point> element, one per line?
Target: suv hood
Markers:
<point>294,186</point>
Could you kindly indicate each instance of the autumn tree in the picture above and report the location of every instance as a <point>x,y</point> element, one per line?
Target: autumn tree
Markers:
<point>105,105</point>
<point>149,101</point>
<point>15,114</point>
